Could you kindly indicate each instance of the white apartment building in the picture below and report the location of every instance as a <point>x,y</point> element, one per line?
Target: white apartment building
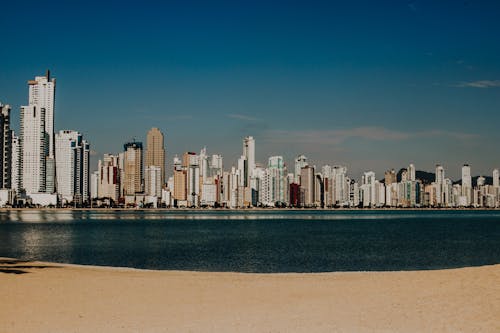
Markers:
<point>42,95</point>
<point>33,147</point>
<point>72,166</point>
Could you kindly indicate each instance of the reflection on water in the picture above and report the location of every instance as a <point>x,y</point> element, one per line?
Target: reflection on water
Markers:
<point>255,241</point>
<point>50,216</point>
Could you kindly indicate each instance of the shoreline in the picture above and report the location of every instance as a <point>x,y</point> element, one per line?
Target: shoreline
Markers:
<point>134,269</point>
<point>250,210</point>
<point>52,297</point>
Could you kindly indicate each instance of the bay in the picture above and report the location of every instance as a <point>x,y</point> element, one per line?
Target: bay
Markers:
<point>274,241</point>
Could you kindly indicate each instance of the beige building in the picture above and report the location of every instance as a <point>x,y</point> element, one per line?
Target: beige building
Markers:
<point>108,185</point>
<point>155,152</point>
<point>132,165</point>
<point>307,186</point>
<point>180,185</point>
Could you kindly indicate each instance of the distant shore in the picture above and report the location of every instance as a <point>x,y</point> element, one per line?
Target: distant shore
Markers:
<point>253,209</point>
<point>48,297</point>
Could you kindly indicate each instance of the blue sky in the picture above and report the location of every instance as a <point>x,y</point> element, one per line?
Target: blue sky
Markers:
<point>368,84</point>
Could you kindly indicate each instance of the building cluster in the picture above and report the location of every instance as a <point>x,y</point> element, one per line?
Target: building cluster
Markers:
<point>199,180</point>
<point>39,166</point>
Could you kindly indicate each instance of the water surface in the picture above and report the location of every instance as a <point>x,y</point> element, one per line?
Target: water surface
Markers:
<point>255,241</point>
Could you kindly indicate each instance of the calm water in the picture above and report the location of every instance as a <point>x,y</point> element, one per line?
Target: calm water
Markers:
<point>264,241</point>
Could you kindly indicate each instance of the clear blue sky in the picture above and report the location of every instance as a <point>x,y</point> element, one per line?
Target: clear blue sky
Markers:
<point>369,84</point>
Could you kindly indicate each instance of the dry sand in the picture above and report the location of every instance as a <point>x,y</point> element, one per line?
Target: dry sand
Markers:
<point>69,298</point>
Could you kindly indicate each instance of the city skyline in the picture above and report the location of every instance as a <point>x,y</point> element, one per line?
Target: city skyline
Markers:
<point>300,79</point>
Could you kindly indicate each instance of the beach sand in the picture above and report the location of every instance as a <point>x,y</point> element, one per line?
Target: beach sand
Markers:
<point>42,297</point>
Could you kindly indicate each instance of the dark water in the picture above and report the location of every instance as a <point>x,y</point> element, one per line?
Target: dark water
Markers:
<point>264,241</point>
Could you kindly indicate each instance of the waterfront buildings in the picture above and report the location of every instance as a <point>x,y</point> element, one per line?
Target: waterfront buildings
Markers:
<point>34,146</point>
<point>155,154</point>
<point>5,147</point>
<point>72,166</point>
<point>42,97</point>
<point>108,178</point>
<point>132,168</point>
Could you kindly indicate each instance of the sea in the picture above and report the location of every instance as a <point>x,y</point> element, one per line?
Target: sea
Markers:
<point>258,241</point>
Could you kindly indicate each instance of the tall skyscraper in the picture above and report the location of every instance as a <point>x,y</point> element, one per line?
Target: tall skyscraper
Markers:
<point>72,166</point>
<point>496,176</point>
<point>466,184</point>
<point>192,167</point>
<point>155,152</point>
<point>276,168</point>
<point>411,173</point>
<point>180,180</point>
<point>5,147</point>
<point>42,95</point>
<point>249,154</point>
<point>15,166</point>
<point>133,170</point>
<point>300,162</point>
<point>307,187</point>
<point>440,186</point>
<point>34,147</point>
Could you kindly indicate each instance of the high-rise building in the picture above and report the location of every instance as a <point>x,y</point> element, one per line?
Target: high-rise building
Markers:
<point>15,167</point>
<point>300,162</point>
<point>153,180</point>
<point>439,198</point>
<point>133,171</point>
<point>466,184</point>
<point>155,152</point>
<point>72,166</point>
<point>216,165</point>
<point>42,95</point>
<point>276,167</point>
<point>34,147</point>
<point>108,183</point>
<point>249,154</point>
<point>307,186</point>
<point>411,173</point>
<point>390,177</point>
<point>369,189</point>
<point>192,165</point>
<point>496,178</point>
<point>466,177</point>
<point>180,179</point>
<point>5,148</point>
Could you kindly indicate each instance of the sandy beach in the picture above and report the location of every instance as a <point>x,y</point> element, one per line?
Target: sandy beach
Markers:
<point>44,297</point>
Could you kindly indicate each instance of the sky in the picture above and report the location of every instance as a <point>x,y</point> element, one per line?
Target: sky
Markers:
<point>372,85</point>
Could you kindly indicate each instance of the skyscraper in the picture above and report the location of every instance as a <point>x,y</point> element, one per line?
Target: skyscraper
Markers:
<point>496,176</point>
<point>155,152</point>
<point>307,187</point>
<point>72,166</point>
<point>15,160</point>
<point>440,187</point>
<point>132,165</point>
<point>42,95</point>
<point>34,147</point>
<point>276,168</point>
<point>249,154</point>
<point>300,162</point>
<point>153,180</point>
<point>466,184</point>
<point>5,147</point>
<point>411,173</point>
<point>180,181</point>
